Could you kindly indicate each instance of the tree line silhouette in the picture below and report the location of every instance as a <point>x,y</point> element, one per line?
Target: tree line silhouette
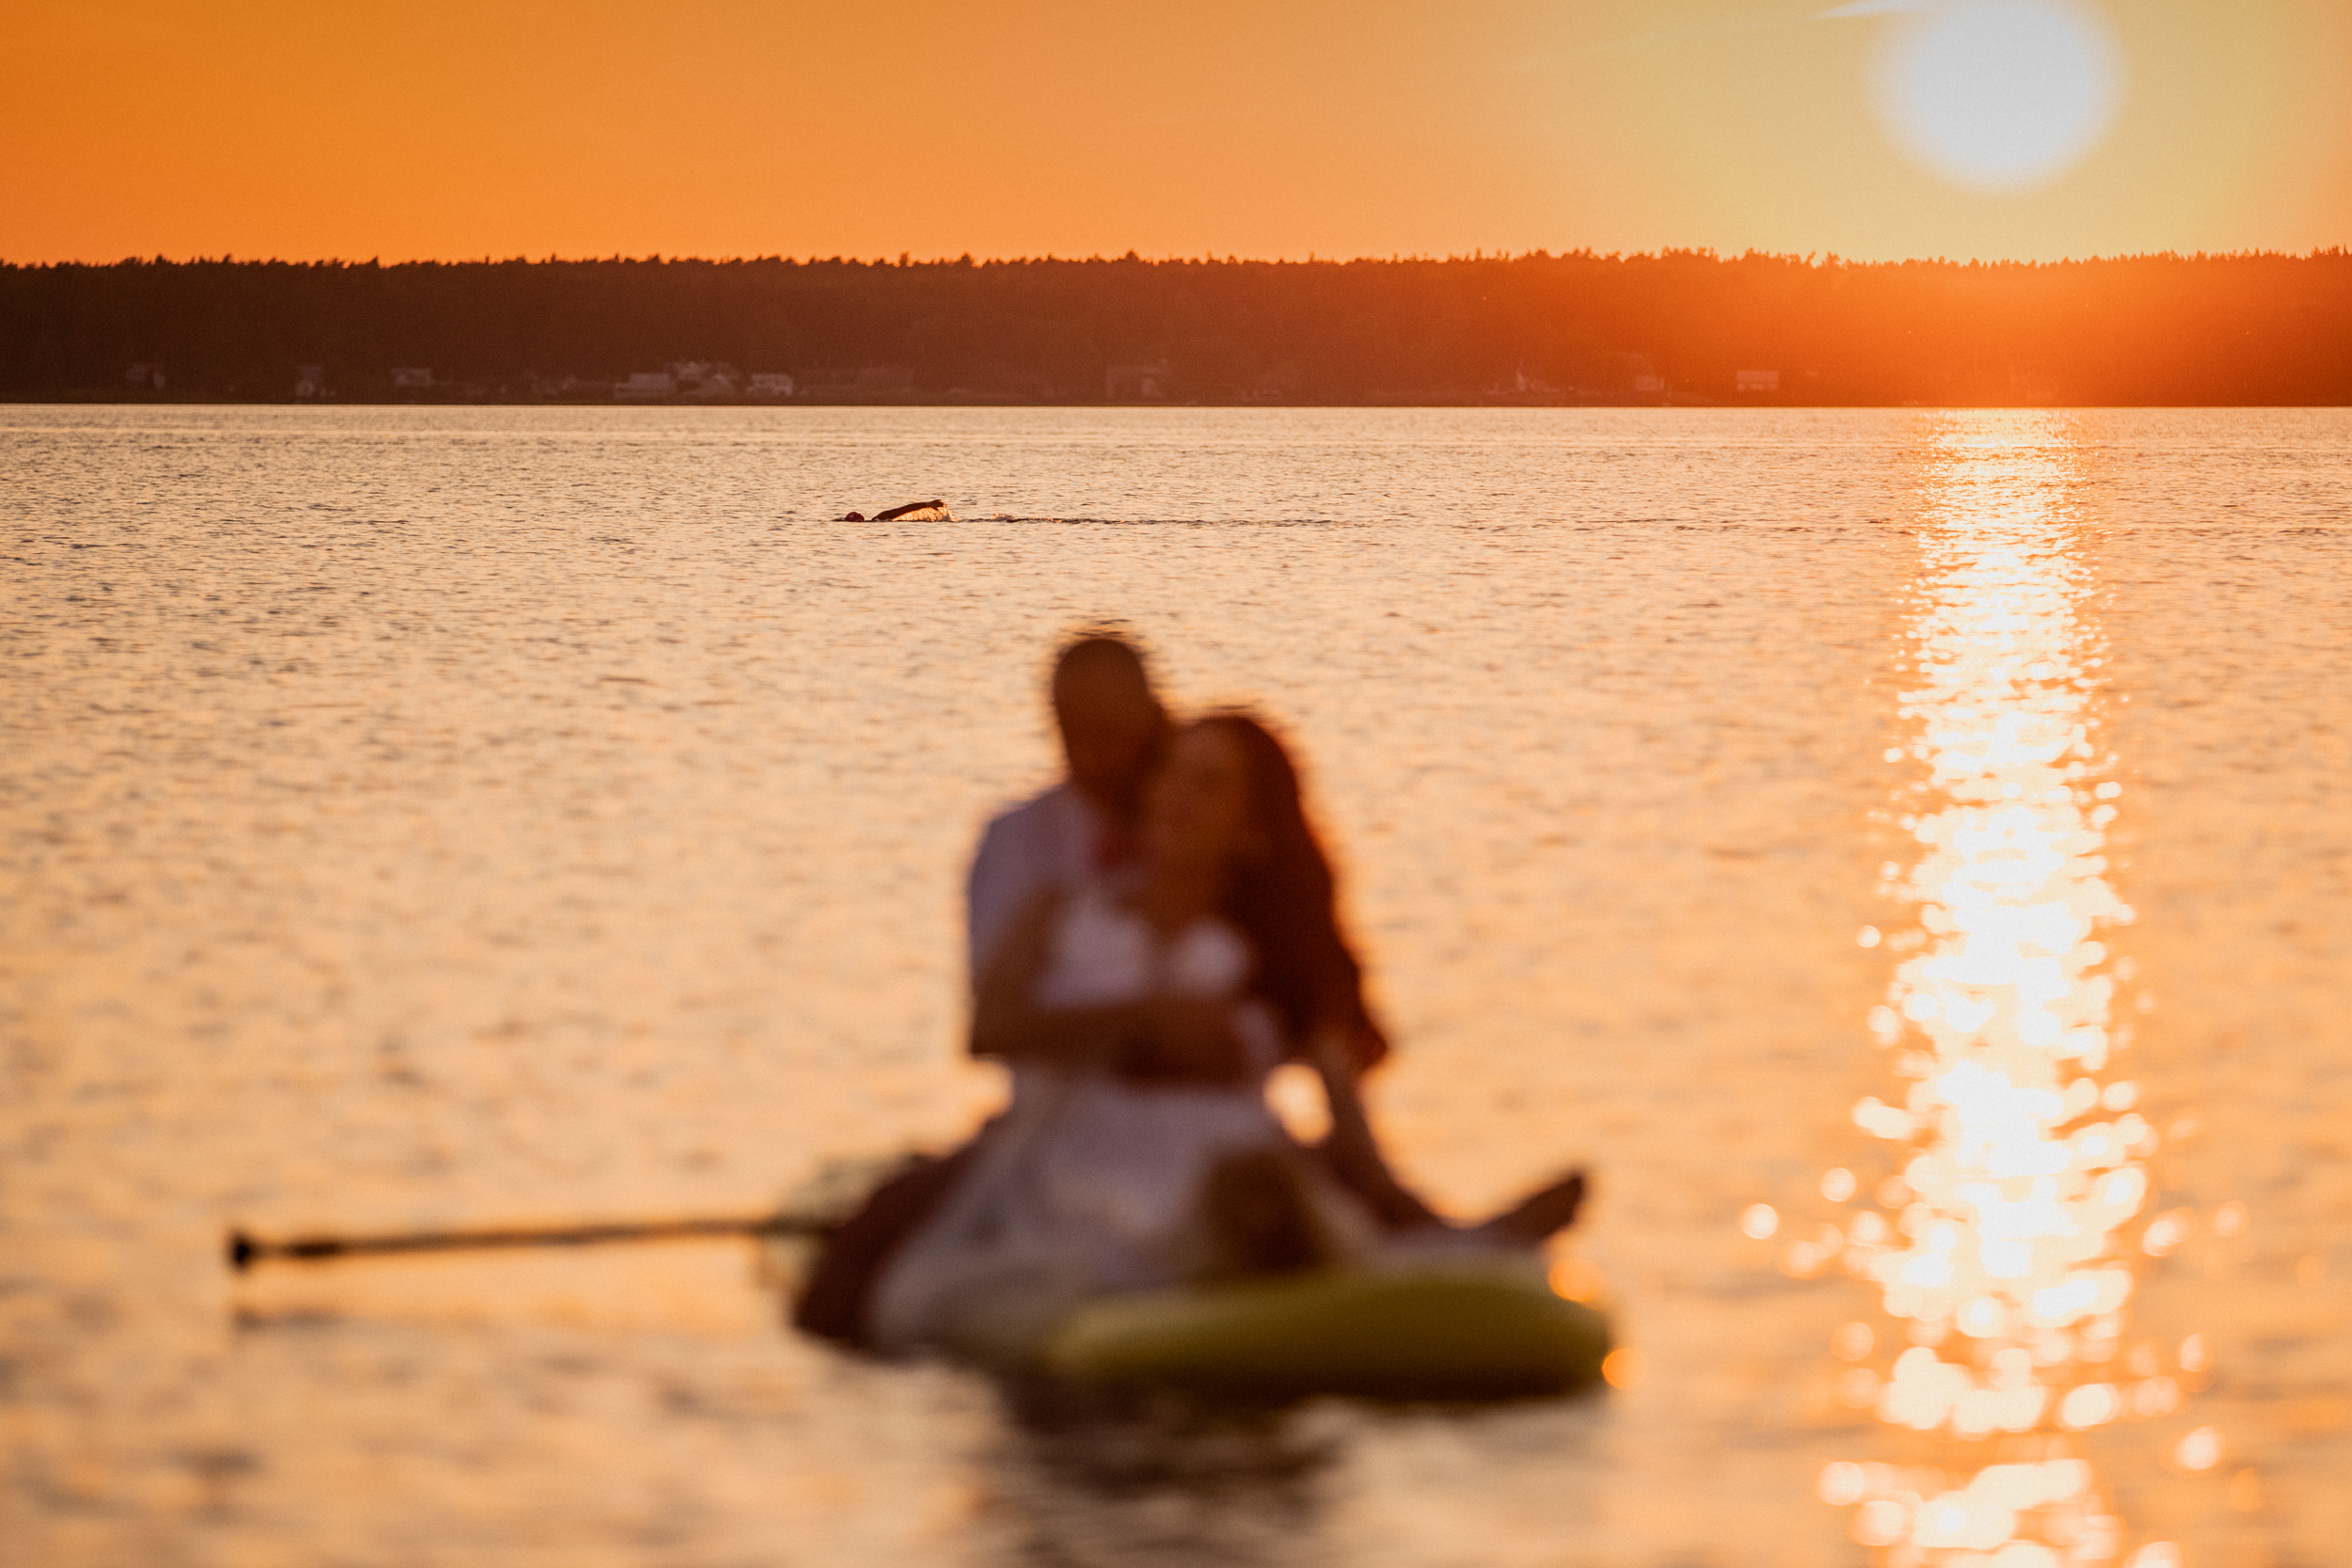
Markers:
<point>2256,328</point>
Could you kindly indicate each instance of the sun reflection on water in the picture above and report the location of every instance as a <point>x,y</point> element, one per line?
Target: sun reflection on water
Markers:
<point>1996,1244</point>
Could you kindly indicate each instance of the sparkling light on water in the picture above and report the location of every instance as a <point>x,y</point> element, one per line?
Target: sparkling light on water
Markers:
<point>2000,1248</point>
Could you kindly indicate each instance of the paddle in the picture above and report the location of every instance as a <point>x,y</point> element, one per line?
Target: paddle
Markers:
<point>244,1251</point>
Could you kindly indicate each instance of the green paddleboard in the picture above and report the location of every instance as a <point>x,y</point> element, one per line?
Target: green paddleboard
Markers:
<point>1440,1334</point>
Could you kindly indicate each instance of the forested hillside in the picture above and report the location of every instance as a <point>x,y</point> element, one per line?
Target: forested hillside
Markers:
<point>2241,329</point>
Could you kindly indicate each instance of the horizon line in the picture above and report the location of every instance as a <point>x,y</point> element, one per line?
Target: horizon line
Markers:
<point>1815,259</point>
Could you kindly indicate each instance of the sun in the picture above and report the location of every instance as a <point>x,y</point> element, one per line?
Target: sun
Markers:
<point>1999,96</point>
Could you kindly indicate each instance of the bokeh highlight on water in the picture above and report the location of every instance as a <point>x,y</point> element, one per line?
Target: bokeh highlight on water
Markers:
<point>422,817</point>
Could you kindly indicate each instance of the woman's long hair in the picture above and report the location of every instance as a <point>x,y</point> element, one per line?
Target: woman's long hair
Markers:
<point>1283,897</point>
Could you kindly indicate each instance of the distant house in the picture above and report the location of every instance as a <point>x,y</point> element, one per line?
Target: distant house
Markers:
<point>1755,381</point>
<point>1135,383</point>
<point>146,375</point>
<point>768,384</point>
<point>309,381</point>
<point>1618,374</point>
<point>1276,386</point>
<point>704,378</point>
<point>647,386</point>
<point>566,387</point>
<point>411,378</point>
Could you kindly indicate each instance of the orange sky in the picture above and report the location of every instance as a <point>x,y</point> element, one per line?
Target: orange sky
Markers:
<point>418,128</point>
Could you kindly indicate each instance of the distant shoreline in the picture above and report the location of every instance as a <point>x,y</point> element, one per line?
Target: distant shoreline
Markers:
<point>98,398</point>
<point>1683,330</point>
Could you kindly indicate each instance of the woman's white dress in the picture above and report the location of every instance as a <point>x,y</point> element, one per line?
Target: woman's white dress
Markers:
<point>1088,1184</point>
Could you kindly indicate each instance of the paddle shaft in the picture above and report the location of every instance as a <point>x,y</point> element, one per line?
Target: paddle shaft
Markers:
<point>244,1251</point>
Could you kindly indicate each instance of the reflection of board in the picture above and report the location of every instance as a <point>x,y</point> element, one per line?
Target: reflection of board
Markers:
<point>1452,1335</point>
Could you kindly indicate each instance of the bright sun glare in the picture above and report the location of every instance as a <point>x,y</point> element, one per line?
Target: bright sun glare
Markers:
<point>1999,95</point>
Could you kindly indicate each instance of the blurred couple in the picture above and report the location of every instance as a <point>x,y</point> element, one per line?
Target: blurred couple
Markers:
<point>1149,940</point>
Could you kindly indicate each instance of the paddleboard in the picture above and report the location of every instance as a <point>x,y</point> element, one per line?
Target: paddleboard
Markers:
<point>1431,1334</point>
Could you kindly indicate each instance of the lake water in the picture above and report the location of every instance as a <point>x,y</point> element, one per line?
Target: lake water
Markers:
<point>1903,853</point>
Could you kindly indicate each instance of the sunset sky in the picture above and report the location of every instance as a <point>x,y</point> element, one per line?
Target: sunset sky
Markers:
<point>1271,128</point>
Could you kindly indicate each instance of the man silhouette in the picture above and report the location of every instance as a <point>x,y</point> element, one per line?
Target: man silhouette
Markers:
<point>1112,728</point>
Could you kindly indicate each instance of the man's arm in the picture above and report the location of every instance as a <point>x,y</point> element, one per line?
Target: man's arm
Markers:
<point>1159,1039</point>
<point>1006,1021</point>
<point>1005,875</point>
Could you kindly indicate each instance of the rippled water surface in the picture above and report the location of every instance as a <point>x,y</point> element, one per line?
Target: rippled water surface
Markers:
<point>1903,853</point>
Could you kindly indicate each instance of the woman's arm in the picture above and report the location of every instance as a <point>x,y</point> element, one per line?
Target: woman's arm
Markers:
<point>1352,1147</point>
